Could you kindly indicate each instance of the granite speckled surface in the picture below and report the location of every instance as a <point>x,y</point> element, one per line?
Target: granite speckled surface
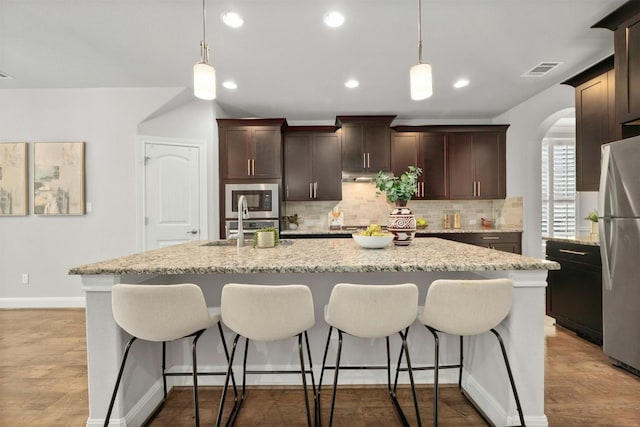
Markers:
<point>580,240</point>
<point>315,256</point>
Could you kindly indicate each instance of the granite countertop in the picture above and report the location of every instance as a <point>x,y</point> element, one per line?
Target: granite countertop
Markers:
<point>424,231</point>
<point>314,256</point>
<point>580,240</point>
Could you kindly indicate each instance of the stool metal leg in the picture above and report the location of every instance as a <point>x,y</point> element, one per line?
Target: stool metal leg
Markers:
<point>335,377</point>
<point>115,389</point>
<point>164,370</point>
<point>461,360</point>
<point>196,405</point>
<point>324,362</point>
<point>513,384</point>
<point>435,374</point>
<point>304,380</point>
<point>237,403</point>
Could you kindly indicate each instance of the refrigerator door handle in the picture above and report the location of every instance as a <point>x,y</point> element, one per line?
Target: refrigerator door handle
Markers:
<point>604,254</point>
<point>604,179</point>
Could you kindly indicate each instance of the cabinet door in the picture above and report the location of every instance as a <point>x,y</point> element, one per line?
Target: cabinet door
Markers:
<point>404,152</point>
<point>489,165</point>
<point>627,66</point>
<point>460,159</point>
<point>434,166</point>
<point>353,157</point>
<point>377,147</point>
<point>327,167</point>
<point>297,167</point>
<point>267,153</point>
<point>237,143</point>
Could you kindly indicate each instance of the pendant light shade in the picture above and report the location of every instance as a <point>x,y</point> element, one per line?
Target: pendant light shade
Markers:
<point>204,75</point>
<point>420,80</point>
<point>204,81</point>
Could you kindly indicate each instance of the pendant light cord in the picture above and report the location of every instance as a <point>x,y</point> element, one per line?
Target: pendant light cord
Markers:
<point>204,49</point>
<point>419,31</point>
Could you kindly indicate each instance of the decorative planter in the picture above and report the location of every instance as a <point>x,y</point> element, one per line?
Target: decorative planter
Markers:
<point>594,231</point>
<point>402,223</point>
<point>265,239</point>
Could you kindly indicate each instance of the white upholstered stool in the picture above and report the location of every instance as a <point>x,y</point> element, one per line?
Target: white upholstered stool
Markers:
<point>267,313</point>
<point>371,311</point>
<point>466,308</point>
<point>162,313</point>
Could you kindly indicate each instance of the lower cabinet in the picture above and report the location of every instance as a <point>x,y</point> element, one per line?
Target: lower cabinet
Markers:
<point>502,241</point>
<point>574,293</point>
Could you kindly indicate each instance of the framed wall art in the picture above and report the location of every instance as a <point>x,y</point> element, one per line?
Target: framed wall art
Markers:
<point>14,179</point>
<point>58,178</point>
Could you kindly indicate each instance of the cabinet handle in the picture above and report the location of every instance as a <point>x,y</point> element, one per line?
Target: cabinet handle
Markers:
<point>315,190</point>
<point>311,190</point>
<point>364,160</point>
<point>253,167</point>
<point>249,167</point>
<point>490,238</point>
<point>474,189</point>
<point>368,163</point>
<point>422,188</point>
<point>287,191</point>
<point>569,251</point>
<point>478,188</point>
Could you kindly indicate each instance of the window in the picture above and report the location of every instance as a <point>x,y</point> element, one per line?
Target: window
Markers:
<point>558,186</point>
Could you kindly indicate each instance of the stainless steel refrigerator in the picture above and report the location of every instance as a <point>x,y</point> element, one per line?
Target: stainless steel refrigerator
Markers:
<point>619,228</point>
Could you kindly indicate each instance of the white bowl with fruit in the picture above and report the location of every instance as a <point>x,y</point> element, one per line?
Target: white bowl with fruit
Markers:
<point>373,237</point>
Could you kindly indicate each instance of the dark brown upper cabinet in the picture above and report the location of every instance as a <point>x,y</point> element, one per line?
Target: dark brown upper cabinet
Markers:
<point>427,151</point>
<point>477,163</point>
<point>366,143</point>
<point>250,148</point>
<point>312,164</point>
<point>625,22</point>
<point>595,120</point>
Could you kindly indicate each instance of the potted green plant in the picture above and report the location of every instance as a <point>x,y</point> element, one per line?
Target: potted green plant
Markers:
<point>593,217</point>
<point>399,189</point>
<point>266,237</point>
<point>293,221</point>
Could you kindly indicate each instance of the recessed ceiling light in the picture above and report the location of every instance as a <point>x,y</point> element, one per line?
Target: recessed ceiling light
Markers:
<point>461,83</point>
<point>351,83</point>
<point>333,19</point>
<point>230,85</point>
<point>232,19</point>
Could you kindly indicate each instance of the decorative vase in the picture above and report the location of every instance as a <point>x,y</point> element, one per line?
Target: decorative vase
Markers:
<point>594,231</point>
<point>402,223</point>
<point>265,239</point>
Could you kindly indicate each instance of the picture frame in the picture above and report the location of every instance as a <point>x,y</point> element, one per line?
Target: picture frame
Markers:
<point>59,178</point>
<point>14,179</point>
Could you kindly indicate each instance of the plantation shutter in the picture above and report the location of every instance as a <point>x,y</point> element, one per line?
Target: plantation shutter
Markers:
<point>558,188</point>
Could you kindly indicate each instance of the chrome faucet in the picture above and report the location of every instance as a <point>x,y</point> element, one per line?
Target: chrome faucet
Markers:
<point>243,213</point>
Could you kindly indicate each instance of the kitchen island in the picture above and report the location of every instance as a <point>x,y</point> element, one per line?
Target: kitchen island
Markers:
<point>320,263</point>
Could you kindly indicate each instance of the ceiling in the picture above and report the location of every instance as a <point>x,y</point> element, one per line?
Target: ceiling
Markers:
<point>287,63</point>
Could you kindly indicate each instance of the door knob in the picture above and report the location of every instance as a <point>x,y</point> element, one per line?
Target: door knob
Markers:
<point>194,231</point>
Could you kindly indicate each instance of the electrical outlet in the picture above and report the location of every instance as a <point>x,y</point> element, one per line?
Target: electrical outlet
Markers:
<point>25,278</point>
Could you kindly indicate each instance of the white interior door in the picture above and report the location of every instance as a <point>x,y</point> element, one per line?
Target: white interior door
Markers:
<point>172,194</point>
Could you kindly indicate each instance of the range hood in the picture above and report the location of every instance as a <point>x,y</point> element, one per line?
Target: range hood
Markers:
<point>360,176</point>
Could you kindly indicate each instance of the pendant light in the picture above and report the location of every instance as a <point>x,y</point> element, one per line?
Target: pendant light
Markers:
<point>420,74</point>
<point>204,75</point>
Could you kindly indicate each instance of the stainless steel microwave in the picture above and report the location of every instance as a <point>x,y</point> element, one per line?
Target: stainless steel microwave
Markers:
<point>262,199</point>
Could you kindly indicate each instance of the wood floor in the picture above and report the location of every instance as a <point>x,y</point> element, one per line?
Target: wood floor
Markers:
<point>43,382</point>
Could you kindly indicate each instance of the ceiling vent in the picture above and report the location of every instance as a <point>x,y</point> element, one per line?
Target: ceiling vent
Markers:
<point>541,69</point>
<point>4,76</point>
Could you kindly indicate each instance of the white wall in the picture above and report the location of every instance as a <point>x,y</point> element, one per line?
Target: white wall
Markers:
<point>529,122</point>
<point>107,120</point>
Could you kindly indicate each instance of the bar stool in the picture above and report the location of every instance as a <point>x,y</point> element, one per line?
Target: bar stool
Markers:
<point>371,311</point>
<point>161,313</point>
<point>467,308</point>
<point>267,313</point>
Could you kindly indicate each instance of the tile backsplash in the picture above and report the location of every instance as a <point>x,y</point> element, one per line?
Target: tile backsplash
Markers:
<point>361,206</point>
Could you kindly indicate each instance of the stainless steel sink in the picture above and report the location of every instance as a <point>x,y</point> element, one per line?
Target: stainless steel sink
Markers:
<point>247,242</point>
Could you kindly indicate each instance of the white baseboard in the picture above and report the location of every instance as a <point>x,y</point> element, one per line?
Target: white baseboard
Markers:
<point>140,411</point>
<point>70,302</point>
